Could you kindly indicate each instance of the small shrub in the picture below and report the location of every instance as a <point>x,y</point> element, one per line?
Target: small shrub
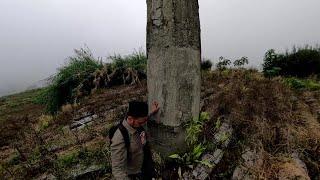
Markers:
<point>295,83</point>
<point>226,72</point>
<point>312,85</point>
<point>272,72</point>
<point>206,64</point>
<point>194,128</point>
<point>43,123</point>
<point>191,157</point>
<point>41,96</point>
<point>68,160</point>
<point>35,156</point>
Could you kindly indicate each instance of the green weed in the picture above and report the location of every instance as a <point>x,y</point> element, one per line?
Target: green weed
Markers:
<point>194,129</point>
<point>191,157</point>
<point>68,160</point>
<point>302,84</point>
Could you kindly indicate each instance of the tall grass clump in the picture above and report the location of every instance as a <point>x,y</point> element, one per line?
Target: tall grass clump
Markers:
<point>137,60</point>
<point>300,62</point>
<point>60,92</point>
<point>80,69</point>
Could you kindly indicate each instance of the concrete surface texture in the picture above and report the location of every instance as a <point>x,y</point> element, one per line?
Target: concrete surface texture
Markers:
<point>174,56</point>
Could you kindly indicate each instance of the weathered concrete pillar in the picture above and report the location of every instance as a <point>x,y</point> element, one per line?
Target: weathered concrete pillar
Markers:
<point>174,55</point>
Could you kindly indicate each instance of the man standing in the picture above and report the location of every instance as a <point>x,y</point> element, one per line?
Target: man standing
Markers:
<point>129,148</point>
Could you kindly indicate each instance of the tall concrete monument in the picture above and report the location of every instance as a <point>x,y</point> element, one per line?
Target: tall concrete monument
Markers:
<point>174,77</point>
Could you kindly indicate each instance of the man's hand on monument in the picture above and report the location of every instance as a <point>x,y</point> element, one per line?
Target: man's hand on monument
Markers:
<point>154,107</point>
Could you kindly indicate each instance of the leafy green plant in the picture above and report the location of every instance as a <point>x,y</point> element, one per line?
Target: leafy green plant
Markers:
<point>194,129</point>
<point>191,157</point>
<point>295,83</point>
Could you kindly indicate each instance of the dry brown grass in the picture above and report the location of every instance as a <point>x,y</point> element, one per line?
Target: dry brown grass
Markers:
<point>68,108</point>
<point>263,112</point>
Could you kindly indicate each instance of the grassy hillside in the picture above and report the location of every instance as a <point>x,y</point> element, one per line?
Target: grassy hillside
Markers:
<point>17,111</point>
<point>266,115</point>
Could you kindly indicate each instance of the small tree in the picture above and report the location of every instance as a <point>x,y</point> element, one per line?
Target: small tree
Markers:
<point>241,62</point>
<point>223,63</point>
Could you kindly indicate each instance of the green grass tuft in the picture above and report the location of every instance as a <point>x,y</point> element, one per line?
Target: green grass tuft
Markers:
<point>302,84</point>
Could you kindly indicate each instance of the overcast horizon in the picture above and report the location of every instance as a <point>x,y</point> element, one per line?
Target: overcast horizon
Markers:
<point>37,36</point>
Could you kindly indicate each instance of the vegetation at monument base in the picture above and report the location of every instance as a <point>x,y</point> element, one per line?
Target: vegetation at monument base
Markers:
<point>194,130</point>
<point>271,116</point>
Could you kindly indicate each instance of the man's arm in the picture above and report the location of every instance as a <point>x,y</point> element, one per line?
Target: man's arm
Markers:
<point>119,157</point>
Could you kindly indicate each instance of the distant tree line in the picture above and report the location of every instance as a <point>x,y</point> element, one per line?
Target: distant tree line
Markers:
<point>224,63</point>
<point>300,62</point>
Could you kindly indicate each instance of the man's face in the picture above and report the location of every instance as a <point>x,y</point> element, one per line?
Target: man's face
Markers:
<point>137,121</point>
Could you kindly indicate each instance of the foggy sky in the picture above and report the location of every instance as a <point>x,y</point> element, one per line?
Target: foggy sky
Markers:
<point>37,36</point>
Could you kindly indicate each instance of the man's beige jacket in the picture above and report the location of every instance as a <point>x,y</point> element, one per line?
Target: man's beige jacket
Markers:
<point>121,166</point>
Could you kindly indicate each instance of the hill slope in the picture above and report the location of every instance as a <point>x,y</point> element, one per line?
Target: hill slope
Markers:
<point>276,131</point>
